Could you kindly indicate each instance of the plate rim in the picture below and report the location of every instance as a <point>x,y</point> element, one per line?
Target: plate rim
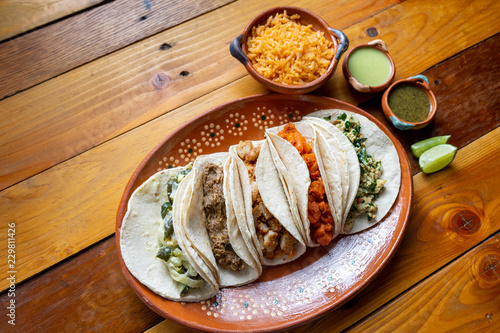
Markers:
<point>316,314</point>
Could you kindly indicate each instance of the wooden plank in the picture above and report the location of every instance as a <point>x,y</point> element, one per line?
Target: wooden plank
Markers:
<point>464,296</point>
<point>53,184</point>
<point>76,111</point>
<point>85,294</point>
<point>89,291</point>
<point>437,233</point>
<point>18,16</point>
<point>79,39</point>
<point>53,217</point>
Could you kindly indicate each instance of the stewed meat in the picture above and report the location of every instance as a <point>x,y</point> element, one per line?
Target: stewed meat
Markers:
<point>214,206</point>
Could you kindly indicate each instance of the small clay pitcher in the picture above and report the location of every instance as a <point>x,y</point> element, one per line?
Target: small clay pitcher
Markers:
<point>422,82</point>
<point>353,82</point>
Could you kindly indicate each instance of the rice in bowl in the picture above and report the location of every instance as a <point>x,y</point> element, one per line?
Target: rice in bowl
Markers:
<point>288,52</point>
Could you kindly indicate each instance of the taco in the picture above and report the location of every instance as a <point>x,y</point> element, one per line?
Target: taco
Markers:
<point>267,220</point>
<point>152,245</point>
<point>210,223</point>
<point>380,170</point>
<point>347,160</point>
<point>312,180</point>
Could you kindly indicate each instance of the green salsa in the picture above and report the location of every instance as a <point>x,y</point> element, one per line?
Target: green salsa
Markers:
<point>409,103</point>
<point>369,66</point>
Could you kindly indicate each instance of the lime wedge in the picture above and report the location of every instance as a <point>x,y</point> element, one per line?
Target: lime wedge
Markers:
<point>419,147</point>
<point>437,157</point>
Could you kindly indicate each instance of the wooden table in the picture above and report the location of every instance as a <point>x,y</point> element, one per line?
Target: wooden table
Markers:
<point>88,88</point>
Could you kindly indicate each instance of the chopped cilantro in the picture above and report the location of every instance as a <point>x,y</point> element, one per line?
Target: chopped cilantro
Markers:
<point>358,141</point>
<point>362,156</point>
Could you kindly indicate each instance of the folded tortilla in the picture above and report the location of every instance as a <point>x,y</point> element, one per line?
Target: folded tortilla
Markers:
<point>381,147</point>
<point>139,241</point>
<point>260,191</point>
<point>295,172</point>
<point>197,227</point>
<point>347,160</point>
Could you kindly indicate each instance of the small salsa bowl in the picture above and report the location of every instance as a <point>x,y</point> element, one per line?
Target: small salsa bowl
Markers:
<point>376,45</point>
<point>421,82</point>
<point>239,49</point>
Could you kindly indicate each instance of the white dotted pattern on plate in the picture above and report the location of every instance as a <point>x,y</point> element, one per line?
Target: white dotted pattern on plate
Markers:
<point>333,272</point>
<point>346,267</point>
<point>212,135</point>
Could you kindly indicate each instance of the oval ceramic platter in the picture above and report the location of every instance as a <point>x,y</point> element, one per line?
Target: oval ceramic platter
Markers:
<point>319,281</point>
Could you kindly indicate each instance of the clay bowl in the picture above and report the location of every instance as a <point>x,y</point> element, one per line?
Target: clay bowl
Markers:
<point>321,280</point>
<point>238,49</point>
<point>420,81</point>
<point>377,44</point>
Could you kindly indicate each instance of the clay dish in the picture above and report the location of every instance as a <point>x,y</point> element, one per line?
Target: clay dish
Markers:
<point>321,280</point>
<point>238,49</point>
<point>422,82</point>
<point>377,44</point>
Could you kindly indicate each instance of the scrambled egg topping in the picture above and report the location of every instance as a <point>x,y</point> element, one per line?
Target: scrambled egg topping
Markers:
<point>370,185</point>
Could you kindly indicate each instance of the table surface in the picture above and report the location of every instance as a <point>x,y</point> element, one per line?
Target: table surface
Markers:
<point>88,88</point>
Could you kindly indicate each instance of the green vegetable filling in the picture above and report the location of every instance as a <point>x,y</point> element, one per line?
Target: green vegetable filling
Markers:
<point>370,185</point>
<point>178,265</point>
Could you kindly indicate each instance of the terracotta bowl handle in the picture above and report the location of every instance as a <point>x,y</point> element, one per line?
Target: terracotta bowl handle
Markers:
<point>343,42</point>
<point>358,85</point>
<point>379,43</point>
<point>236,51</point>
<point>422,79</point>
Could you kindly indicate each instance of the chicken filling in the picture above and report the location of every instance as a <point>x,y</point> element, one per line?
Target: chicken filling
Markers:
<point>275,241</point>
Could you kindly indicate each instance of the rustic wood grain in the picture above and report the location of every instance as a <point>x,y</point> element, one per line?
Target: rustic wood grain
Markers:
<point>78,110</point>
<point>428,233</point>
<point>462,297</point>
<point>132,86</point>
<point>85,294</point>
<point>18,16</point>
<point>89,293</point>
<point>79,39</point>
<point>56,220</point>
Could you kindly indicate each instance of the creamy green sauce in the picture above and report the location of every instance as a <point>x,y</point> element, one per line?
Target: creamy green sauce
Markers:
<point>409,103</point>
<point>369,66</point>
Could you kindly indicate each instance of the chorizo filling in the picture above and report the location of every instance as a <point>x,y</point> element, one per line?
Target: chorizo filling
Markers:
<point>275,241</point>
<point>318,210</point>
<point>214,206</point>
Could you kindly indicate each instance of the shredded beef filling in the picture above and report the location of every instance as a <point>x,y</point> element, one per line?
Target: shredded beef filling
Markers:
<point>273,238</point>
<point>214,207</point>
